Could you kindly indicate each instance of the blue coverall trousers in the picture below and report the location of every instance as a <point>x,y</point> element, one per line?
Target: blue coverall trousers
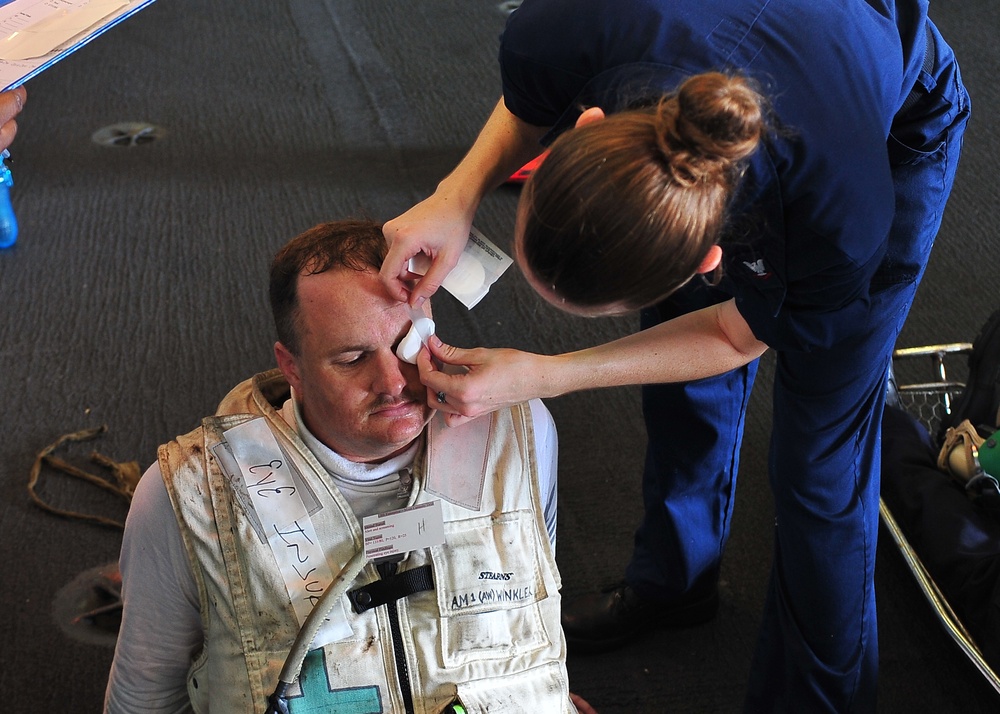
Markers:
<point>818,645</point>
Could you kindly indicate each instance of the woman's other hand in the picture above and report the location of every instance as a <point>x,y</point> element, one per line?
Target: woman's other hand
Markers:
<point>473,382</point>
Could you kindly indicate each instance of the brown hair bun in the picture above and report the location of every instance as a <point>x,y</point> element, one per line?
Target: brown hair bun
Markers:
<point>710,125</point>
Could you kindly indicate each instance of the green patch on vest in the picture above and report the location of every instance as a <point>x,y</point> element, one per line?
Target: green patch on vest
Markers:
<point>319,695</point>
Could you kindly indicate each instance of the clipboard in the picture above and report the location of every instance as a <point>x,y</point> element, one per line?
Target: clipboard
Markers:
<point>35,34</point>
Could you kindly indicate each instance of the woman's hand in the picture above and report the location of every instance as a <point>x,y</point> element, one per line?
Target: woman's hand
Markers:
<point>439,226</point>
<point>477,381</point>
<point>436,227</point>
<point>581,704</point>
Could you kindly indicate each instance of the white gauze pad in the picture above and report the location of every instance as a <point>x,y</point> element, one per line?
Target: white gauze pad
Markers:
<point>421,330</point>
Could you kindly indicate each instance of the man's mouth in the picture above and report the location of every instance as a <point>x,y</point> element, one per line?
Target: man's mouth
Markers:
<point>393,407</point>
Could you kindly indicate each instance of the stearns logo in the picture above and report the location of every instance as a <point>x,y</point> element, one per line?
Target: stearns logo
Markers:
<point>489,575</point>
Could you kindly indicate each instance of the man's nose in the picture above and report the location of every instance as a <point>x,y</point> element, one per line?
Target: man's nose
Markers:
<point>389,377</point>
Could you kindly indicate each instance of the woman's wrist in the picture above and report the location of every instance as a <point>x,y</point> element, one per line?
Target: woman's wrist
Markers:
<point>460,194</point>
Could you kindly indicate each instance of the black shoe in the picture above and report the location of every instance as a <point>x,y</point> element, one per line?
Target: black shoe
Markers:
<point>617,615</point>
<point>980,400</point>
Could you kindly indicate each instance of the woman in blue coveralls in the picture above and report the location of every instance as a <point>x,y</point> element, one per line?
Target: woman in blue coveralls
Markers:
<point>812,203</point>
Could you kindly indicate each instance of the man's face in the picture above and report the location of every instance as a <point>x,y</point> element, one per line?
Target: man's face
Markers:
<point>355,395</point>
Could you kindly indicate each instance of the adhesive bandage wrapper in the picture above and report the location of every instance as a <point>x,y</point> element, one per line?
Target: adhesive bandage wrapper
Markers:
<point>478,267</point>
<point>421,330</point>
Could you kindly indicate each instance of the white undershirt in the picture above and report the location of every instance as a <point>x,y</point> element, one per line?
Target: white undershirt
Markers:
<point>161,628</point>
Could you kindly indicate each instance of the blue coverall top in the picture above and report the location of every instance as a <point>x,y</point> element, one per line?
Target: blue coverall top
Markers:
<point>817,202</point>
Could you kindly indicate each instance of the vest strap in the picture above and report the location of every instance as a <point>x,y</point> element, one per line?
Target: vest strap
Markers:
<point>391,588</point>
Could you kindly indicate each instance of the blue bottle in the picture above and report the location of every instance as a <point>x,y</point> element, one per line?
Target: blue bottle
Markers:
<point>8,221</point>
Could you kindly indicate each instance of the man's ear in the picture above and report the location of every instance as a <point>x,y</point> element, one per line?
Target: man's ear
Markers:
<point>589,116</point>
<point>288,366</point>
<point>711,260</point>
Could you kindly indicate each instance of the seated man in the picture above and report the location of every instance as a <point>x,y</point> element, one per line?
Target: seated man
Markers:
<point>242,524</point>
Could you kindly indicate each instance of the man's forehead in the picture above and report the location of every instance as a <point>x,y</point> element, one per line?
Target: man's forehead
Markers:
<point>346,300</point>
<point>341,283</point>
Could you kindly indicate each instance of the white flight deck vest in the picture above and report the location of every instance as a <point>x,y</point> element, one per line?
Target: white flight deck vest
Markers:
<point>488,634</point>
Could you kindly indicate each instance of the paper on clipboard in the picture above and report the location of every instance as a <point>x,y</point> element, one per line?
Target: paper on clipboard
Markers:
<point>35,34</point>
<point>43,36</point>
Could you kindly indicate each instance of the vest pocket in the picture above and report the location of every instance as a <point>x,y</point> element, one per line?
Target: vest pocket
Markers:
<point>542,688</point>
<point>489,588</point>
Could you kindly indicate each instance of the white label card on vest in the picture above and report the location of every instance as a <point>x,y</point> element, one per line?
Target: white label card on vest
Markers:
<point>286,523</point>
<point>399,532</point>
